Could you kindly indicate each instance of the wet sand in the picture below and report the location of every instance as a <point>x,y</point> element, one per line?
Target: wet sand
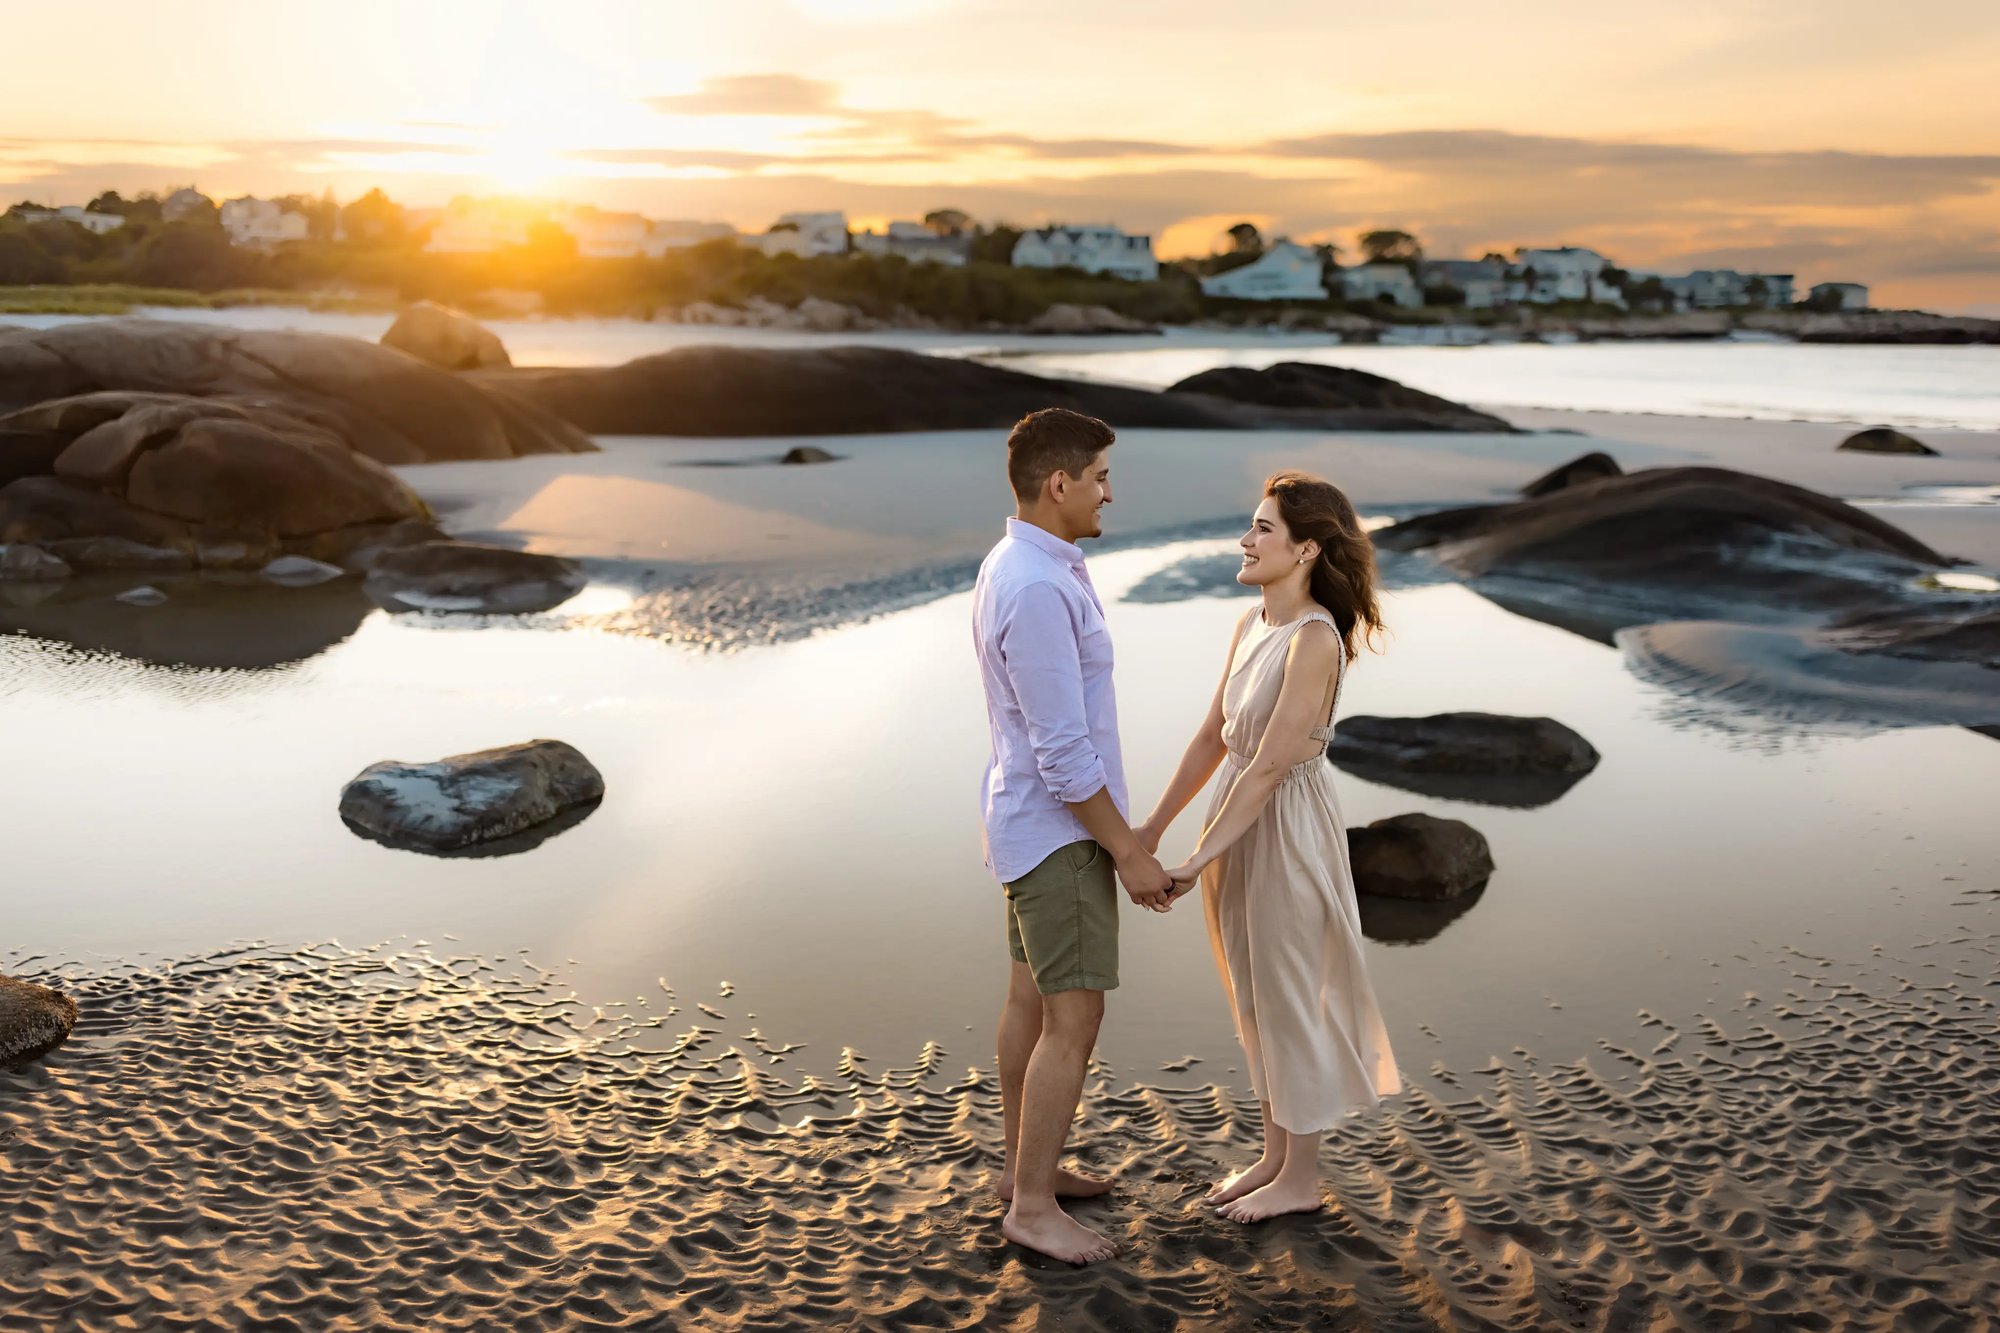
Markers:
<point>333,1139</point>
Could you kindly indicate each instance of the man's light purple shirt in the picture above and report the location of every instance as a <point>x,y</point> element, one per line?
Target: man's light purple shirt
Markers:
<point>1045,660</point>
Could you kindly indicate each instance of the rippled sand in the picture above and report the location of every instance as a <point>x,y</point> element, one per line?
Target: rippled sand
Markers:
<point>336,1139</point>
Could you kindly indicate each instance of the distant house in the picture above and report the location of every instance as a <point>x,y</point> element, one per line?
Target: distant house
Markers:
<point>1094,249</point>
<point>1720,288</point>
<point>263,224</point>
<point>1393,283</point>
<point>1484,281</point>
<point>186,202</point>
<point>1840,296</point>
<point>99,223</point>
<point>602,235</point>
<point>1284,272</point>
<point>806,234</point>
<point>1561,273</point>
<point>478,227</point>
<point>916,243</point>
<point>679,235</point>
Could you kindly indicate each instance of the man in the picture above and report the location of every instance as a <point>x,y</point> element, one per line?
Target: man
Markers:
<point>1055,812</point>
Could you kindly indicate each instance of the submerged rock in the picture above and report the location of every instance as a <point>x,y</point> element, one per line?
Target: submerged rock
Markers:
<point>1589,467</point>
<point>1419,856</point>
<point>466,576</point>
<point>806,453</point>
<point>297,571</point>
<point>1485,757</point>
<point>470,799</point>
<point>143,595</point>
<point>1886,440</point>
<point>1065,318</point>
<point>446,338</point>
<point>34,1020</point>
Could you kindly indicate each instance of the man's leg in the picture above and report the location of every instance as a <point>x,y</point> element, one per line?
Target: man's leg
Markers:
<point>1020,1029</point>
<point>1049,1094</point>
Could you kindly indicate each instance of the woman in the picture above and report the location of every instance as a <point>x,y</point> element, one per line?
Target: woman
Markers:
<point>1272,858</point>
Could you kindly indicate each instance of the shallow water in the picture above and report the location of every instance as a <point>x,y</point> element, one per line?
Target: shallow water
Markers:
<point>799,821</point>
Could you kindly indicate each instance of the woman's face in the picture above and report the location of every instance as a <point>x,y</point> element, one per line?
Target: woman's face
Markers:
<point>1269,553</point>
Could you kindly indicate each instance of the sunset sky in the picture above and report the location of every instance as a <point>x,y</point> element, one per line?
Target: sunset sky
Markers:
<point>1831,139</point>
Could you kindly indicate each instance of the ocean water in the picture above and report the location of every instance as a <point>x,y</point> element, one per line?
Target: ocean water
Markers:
<point>1913,387</point>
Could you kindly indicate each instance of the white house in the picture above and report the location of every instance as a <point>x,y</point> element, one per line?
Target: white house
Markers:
<point>99,223</point>
<point>916,243</point>
<point>1561,273</point>
<point>1393,283</point>
<point>262,224</point>
<point>678,234</point>
<point>602,235</point>
<point>1484,281</point>
<point>1094,249</point>
<point>1840,296</point>
<point>1284,272</point>
<point>1716,288</point>
<point>806,234</point>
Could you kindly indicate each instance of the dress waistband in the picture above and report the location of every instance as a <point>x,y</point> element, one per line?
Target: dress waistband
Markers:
<point>1304,768</point>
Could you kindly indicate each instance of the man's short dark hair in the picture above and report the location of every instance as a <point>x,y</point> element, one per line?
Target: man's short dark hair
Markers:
<point>1053,439</point>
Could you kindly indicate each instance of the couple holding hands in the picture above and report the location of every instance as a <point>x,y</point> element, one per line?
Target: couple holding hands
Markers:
<point>1278,895</point>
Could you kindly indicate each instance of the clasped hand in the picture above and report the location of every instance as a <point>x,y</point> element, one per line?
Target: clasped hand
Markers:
<point>1149,884</point>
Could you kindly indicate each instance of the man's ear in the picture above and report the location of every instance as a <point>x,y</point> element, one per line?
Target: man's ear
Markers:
<point>1057,486</point>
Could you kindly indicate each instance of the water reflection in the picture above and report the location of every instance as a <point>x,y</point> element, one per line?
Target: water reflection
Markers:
<point>1521,791</point>
<point>1405,921</point>
<point>205,622</point>
<point>525,841</point>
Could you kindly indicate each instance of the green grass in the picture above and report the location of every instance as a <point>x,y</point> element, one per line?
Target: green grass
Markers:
<point>119,299</point>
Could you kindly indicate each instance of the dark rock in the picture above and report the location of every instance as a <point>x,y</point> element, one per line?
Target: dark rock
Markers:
<point>373,400</point>
<point>1885,440</point>
<point>1669,543</point>
<point>739,391</point>
<point>20,562</point>
<point>448,339</point>
<point>34,1020</point>
<point>1485,757</point>
<point>1419,856</point>
<point>806,453</point>
<point>1300,385</point>
<point>143,595</point>
<point>120,553</point>
<point>464,576</point>
<point>468,799</point>
<point>1589,467</point>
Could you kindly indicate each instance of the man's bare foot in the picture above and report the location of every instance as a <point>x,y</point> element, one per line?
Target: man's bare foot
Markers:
<point>1058,1235</point>
<point>1274,1200</point>
<point>1255,1176</point>
<point>1069,1185</point>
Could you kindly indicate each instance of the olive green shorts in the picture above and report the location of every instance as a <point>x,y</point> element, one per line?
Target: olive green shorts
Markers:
<point>1062,920</point>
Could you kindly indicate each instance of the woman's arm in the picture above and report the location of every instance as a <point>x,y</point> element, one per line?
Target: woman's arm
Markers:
<point>1198,764</point>
<point>1310,663</point>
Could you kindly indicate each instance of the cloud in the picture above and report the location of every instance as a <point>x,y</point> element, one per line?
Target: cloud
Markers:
<point>752,95</point>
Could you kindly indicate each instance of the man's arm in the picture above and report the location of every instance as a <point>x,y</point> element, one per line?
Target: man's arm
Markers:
<point>1044,665</point>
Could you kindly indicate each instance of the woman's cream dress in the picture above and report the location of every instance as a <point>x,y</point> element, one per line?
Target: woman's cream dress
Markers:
<point>1282,916</point>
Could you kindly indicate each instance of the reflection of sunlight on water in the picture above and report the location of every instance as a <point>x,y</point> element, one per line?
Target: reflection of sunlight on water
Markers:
<point>599,599</point>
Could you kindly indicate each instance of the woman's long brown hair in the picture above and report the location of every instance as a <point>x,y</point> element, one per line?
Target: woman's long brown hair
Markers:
<point>1343,578</point>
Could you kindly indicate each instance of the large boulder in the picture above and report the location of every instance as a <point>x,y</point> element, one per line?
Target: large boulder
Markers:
<point>470,799</point>
<point>1585,468</point>
<point>1299,385</point>
<point>374,400</point>
<point>1419,856</point>
<point>34,1020</point>
<point>448,339</point>
<point>1670,542</point>
<point>1064,318</point>
<point>469,577</point>
<point>1885,440</point>
<point>738,391</point>
<point>1486,757</point>
<point>158,482</point>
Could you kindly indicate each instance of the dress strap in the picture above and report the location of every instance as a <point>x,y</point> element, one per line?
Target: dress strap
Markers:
<point>1324,732</point>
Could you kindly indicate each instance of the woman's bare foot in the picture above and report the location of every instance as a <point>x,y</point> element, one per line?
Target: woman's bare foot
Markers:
<point>1069,1185</point>
<point>1058,1235</point>
<point>1255,1176</point>
<point>1274,1200</point>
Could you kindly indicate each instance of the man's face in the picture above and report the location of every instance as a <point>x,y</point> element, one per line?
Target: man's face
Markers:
<point>1080,499</point>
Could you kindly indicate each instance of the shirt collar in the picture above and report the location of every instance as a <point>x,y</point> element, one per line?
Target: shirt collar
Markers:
<point>1041,538</point>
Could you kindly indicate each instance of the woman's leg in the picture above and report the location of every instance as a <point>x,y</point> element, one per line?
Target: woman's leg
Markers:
<point>1259,1173</point>
<point>1294,1189</point>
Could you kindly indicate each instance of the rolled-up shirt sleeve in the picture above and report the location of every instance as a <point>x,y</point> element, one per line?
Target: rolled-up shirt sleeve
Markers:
<point>1044,665</point>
